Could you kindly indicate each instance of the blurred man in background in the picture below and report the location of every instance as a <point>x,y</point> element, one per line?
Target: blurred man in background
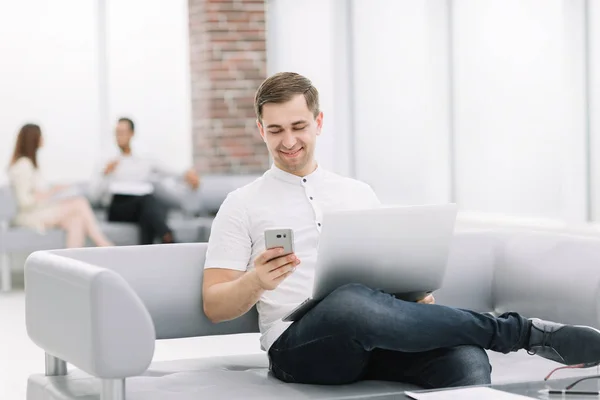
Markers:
<point>126,187</point>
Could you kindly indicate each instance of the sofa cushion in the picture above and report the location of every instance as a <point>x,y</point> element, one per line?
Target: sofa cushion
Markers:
<point>231,377</point>
<point>247,377</point>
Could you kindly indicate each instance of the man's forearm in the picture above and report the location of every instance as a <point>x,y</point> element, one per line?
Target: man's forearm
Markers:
<point>229,300</point>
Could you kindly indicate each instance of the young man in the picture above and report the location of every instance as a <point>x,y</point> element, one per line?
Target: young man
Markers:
<point>126,186</point>
<point>355,332</point>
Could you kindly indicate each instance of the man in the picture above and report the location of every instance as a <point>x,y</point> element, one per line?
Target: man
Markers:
<point>126,186</point>
<point>356,332</point>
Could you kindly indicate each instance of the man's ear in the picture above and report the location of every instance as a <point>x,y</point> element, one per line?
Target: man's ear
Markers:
<point>319,120</point>
<point>261,130</point>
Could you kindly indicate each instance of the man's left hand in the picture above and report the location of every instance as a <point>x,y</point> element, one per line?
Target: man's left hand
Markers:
<point>192,178</point>
<point>429,299</point>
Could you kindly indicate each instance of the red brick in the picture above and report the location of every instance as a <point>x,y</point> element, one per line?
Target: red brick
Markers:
<point>228,63</point>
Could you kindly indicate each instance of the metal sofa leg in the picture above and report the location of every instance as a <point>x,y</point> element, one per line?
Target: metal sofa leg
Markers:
<point>55,366</point>
<point>113,389</point>
<point>5,278</point>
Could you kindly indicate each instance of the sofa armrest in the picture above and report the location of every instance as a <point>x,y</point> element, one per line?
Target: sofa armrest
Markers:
<point>87,316</point>
<point>549,275</point>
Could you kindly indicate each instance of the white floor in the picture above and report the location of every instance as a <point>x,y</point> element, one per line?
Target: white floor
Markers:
<point>19,357</point>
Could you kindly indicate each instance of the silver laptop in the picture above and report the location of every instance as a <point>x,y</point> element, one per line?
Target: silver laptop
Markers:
<point>402,250</point>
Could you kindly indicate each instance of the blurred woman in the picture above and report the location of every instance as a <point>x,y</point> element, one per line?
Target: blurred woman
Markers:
<point>36,207</point>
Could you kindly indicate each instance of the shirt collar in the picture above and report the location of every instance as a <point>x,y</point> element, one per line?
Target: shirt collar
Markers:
<point>280,174</point>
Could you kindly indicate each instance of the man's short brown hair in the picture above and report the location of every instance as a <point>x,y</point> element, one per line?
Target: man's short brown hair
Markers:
<point>282,87</point>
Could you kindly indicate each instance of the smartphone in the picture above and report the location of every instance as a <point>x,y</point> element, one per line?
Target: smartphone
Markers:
<point>280,238</point>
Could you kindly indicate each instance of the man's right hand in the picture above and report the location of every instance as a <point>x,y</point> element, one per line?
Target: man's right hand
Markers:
<point>271,268</point>
<point>110,167</point>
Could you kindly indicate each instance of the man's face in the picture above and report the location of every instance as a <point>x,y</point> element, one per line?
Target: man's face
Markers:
<point>290,131</point>
<point>123,134</point>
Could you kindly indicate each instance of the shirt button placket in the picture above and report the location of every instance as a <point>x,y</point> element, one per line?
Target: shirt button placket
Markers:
<point>314,206</point>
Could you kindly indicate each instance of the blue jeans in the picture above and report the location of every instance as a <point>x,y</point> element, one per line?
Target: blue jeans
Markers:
<point>357,333</point>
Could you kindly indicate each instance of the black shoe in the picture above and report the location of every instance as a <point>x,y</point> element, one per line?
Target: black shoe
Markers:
<point>566,344</point>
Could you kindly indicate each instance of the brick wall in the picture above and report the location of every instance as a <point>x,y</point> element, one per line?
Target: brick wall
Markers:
<point>228,63</point>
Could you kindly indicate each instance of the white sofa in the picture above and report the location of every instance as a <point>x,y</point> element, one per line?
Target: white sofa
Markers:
<point>101,311</point>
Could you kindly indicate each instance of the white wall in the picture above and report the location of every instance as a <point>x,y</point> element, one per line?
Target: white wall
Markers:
<point>309,37</point>
<point>48,73</point>
<point>518,101</point>
<point>149,77</point>
<point>482,103</point>
<point>520,107</point>
<point>402,100</point>
<point>594,104</point>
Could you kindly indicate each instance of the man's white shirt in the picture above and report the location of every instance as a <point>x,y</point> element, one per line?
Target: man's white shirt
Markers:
<point>133,175</point>
<point>281,200</point>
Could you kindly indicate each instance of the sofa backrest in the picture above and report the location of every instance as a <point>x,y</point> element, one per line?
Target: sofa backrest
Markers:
<point>550,275</point>
<point>8,204</point>
<point>168,280</point>
<point>538,274</point>
<point>470,271</point>
<point>215,188</point>
<point>207,199</point>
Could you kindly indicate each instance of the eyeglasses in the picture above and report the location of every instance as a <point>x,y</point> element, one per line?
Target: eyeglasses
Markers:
<point>569,387</point>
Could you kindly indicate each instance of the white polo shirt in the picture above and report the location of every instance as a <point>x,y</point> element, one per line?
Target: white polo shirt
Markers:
<point>281,200</point>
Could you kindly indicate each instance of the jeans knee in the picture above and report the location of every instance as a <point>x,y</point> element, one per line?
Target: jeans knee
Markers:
<point>349,298</point>
<point>471,366</point>
<point>349,306</point>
